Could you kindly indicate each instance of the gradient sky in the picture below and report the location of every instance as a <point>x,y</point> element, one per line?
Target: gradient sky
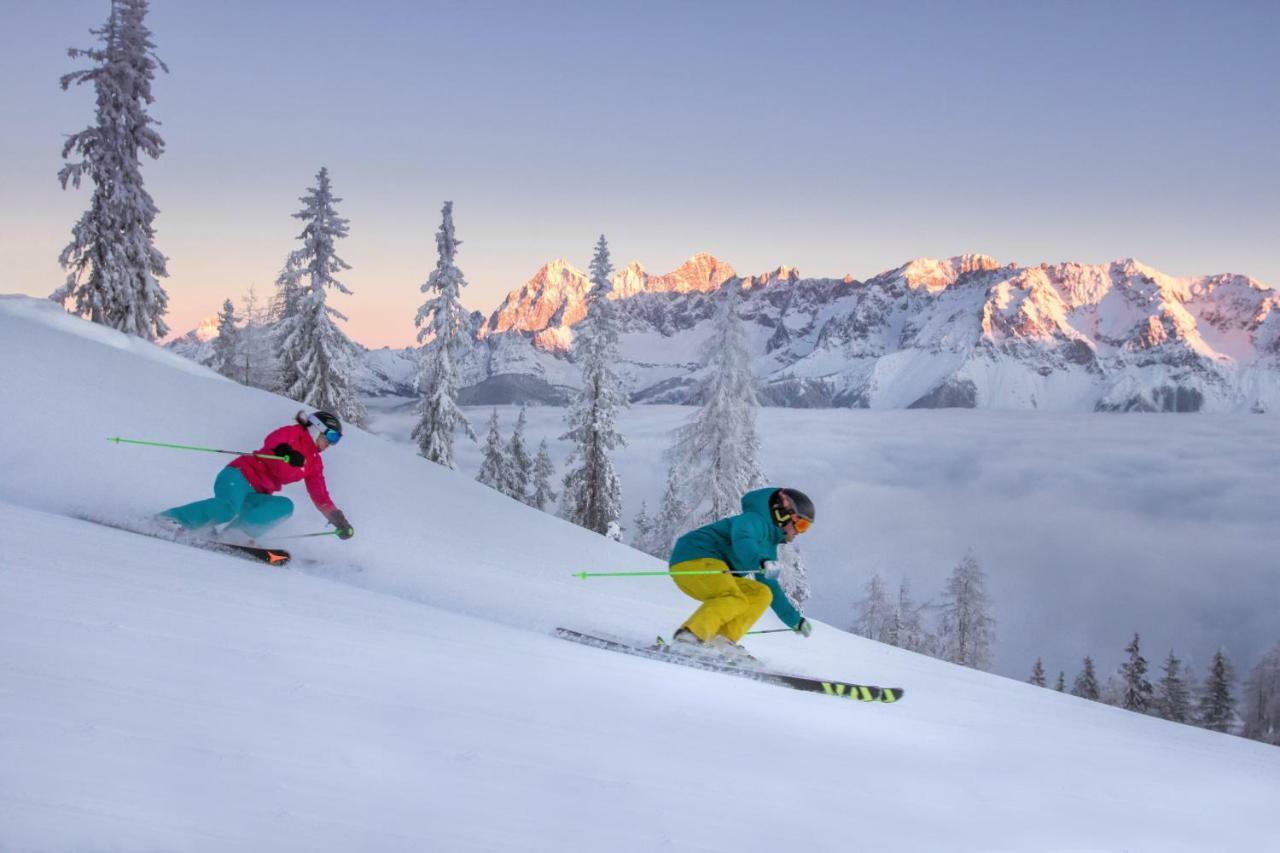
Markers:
<point>839,138</point>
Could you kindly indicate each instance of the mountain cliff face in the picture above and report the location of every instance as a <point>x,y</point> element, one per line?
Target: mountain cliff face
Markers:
<point>962,332</point>
<point>966,331</point>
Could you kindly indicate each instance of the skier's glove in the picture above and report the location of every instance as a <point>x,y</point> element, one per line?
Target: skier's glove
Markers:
<point>770,569</point>
<point>290,455</point>
<point>805,628</point>
<point>339,520</point>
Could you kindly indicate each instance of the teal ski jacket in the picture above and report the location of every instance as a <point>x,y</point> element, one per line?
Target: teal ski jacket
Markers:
<point>742,542</point>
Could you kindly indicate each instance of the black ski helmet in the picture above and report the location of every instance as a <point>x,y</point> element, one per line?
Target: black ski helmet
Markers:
<point>326,421</point>
<point>803,507</point>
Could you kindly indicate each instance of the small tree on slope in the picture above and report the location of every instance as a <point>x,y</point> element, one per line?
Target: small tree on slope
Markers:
<point>874,618</point>
<point>441,322</point>
<point>317,358</point>
<point>541,496</point>
<point>670,521</point>
<point>1086,684</point>
<point>967,629</point>
<point>519,465</point>
<point>592,496</point>
<point>113,267</point>
<point>1037,674</point>
<point>1173,699</point>
<point>1217,705</point>
<point>1262,699</point>
<point>493,464</point>
<point>1137,692</point>
<point>227,345</point>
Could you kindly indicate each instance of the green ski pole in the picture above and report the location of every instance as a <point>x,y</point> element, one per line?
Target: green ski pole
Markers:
<point>202,449</point>
<point>585,575</point>
<point>774,631</point>
<point>311,535</point>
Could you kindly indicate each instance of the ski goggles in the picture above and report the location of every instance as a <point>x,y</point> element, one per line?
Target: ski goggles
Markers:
<point>800,523</point>
<point>332,436</point>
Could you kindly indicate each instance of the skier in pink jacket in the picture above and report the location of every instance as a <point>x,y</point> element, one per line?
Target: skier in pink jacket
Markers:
<point>244,492</point>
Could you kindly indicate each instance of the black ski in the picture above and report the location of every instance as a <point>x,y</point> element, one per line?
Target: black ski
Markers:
<point>270,556</point>
<point>662,651</point>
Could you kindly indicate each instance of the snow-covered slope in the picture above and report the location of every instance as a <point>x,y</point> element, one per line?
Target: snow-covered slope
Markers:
<point>399,691</point>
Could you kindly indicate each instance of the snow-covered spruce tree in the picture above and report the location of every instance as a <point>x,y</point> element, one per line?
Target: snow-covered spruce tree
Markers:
<point>716,451</point>
<point>441,321</point>
<point>1173,699</point>
<point>966,628</point>
<point>671,521</point>
<point>1037,674</point>
<point>1217,706</point>
<point>1262,699</point>
<point>1086,684</point>
<point>493,464</point>
<point>540,495</point>
<point>642,528</point>
<point>1137,692</point>
<point>1061,686</point>
<point>874,617</point>
<point>519,465</point>
<point>227,345</point>
<point>113,267</point>
<point>592,495</point>
<point>317,359</point>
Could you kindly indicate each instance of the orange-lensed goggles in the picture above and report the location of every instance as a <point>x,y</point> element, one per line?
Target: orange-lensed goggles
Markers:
<point>801,523</point>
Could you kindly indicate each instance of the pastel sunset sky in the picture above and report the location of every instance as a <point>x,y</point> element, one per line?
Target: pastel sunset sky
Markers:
<point>839,138</point>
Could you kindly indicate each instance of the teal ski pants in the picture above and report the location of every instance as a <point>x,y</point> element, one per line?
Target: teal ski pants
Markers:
<point>234,500</point>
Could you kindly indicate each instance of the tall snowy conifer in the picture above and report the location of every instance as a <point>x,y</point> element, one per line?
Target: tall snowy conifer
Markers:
<point>716,452</point>
<point>441,321</point>
<point>1262,699</point>
<point>592,495</point>
<point>1061,686</point>
<point>967,630</point>
<point>226,346</point>
<point>1217,705</point>
<point>317,359</point>
<point>112,263</point>
<point>1173,699</point>
<point>540,495</point>
<point>519,465</point>
<point>1086,684</point>
<point>493,464</point>
<point>1137,692</point>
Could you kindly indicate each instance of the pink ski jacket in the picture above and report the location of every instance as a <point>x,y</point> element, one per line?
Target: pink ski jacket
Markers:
<point>267,476</point>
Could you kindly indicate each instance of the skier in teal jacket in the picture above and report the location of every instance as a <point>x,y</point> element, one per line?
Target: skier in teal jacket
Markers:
<point>736,550</point>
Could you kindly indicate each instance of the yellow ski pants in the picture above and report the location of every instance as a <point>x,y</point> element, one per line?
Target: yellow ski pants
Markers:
<point>730,605</point>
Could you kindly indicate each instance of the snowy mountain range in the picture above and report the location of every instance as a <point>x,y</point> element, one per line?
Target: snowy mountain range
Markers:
<point>963,332</point>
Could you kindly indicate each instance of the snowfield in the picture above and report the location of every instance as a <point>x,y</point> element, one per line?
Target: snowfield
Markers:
<point>400,691</point>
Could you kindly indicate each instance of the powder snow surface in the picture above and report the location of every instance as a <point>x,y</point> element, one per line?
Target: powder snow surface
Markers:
<point>400,691</point>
